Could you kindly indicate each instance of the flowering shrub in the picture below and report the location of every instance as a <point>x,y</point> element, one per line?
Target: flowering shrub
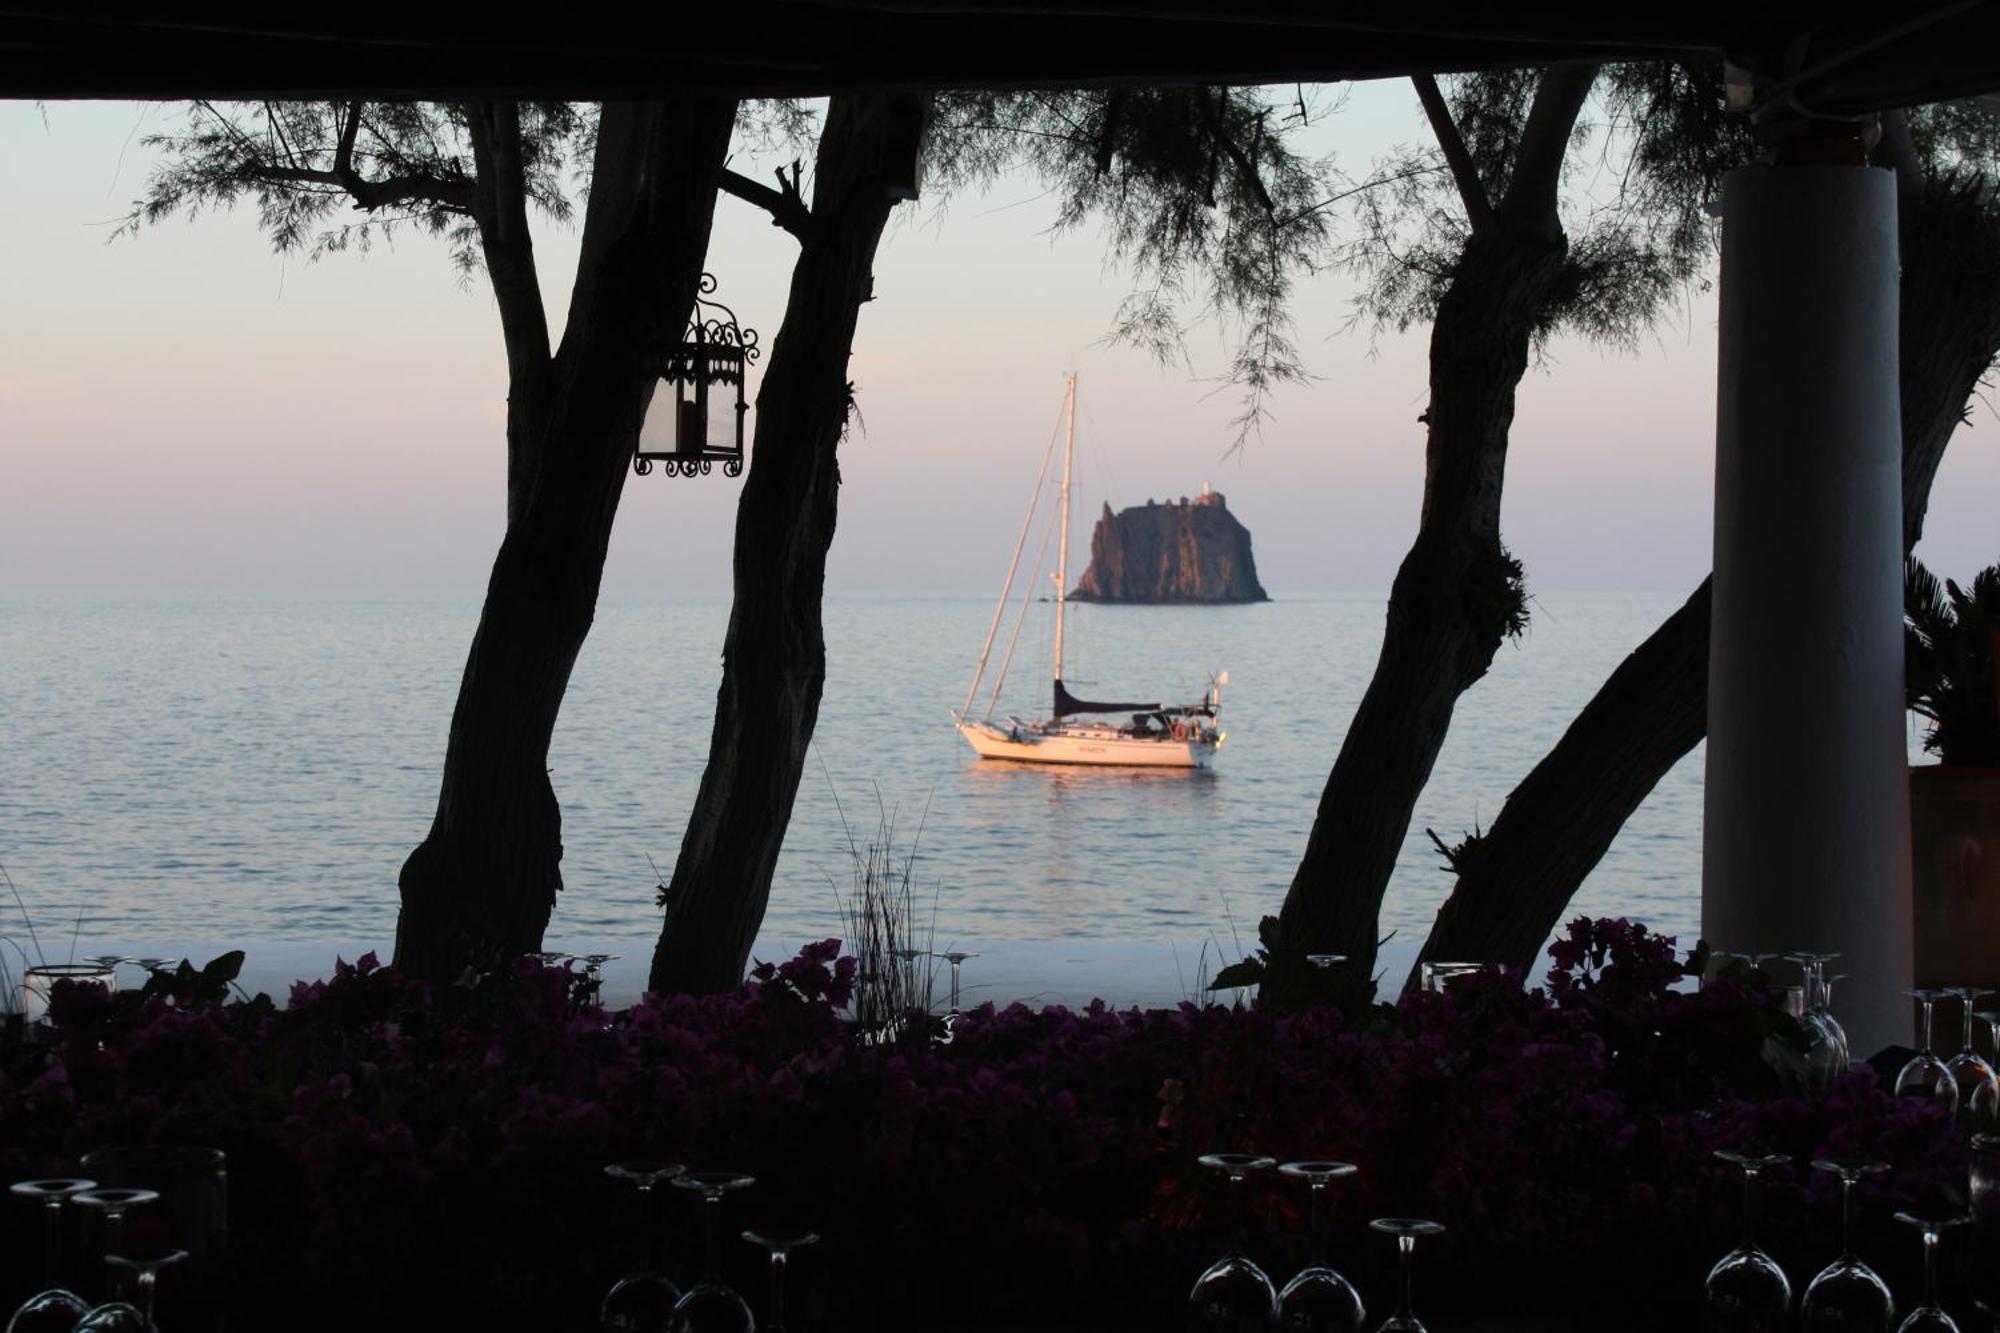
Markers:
<point>401,1154</point>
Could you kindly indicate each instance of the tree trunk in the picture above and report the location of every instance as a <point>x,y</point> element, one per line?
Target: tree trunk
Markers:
<point>1516,880</point>
<point>481,886</point>
<point>774,655</point>
<point>1457,593</point>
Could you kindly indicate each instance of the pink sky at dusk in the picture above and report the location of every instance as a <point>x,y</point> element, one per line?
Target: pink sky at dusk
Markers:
<point>189,412</point>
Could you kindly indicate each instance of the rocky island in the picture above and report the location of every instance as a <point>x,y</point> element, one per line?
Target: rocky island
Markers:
<point>1184,551</point>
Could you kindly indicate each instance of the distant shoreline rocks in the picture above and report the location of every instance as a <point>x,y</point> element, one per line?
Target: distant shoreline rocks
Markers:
<point>1177,552</point>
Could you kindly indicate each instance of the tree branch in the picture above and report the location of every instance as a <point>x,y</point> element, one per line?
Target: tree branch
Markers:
<point>785,204</point>
<point>1478,208</point>
<point>1535,187</point>
<point>1242,160</point>
<point>500,208</point>
<point>393,192</point>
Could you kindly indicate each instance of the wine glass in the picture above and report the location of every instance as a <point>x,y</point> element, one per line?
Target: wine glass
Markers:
<point>1984,1197</point>
<point>1233,1293</point>
<point>643,1300</point>
<point>780,1246</point>
<point>593,966</point>
<point>1984,1104</point>
<point>712,1305</point>
<point>56,1308</point>
<point>1930,1316</point>
<point>1318,1299</point>
<point>956,957</point>
<point>114,1203</point>
<point>1969,1070</point>
<point>38,985</point>
<point>1826,1042</point>
<point>1924,1075</point>
<point>119,1316</point>
<point>1406,1230</point>
<point>1847,1296</point>
<point>1746,1291</point>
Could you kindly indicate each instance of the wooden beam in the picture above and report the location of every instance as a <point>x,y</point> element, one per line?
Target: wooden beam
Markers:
<point>591,50</point>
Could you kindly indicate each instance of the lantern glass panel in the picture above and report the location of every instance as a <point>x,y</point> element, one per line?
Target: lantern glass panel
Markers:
<point>660,429</point>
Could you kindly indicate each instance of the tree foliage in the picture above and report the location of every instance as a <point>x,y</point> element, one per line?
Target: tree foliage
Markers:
<point>1950,638</point>
<point>1636,236</point>
<point>310,166</point>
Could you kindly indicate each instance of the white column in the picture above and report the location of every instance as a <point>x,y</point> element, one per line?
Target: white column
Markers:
<point>1806,836</point>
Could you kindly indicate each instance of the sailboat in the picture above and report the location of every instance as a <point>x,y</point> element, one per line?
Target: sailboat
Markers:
<point>1083,731</point>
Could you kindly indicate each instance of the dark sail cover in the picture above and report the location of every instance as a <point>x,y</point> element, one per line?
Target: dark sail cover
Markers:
<point>1067,703</point>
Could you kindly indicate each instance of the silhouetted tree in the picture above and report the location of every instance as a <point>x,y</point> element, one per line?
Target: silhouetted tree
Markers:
<point>1494,269</point>
<point>774,653</point>
<point>482,884</point>
<point>1195,195</point>
<point>1514,881</point>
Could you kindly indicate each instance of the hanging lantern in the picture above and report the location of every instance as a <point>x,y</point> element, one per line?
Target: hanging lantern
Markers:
<point>685,428</point>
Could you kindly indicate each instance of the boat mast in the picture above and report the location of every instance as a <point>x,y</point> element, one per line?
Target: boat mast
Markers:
<point>1062,551</point>
<point>1007,587</point>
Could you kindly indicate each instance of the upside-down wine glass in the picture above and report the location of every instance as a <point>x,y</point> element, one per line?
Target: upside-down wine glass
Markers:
<point>1318,1299</point>
<point>643,1300</point>
<point>1826,1042</point>
<point>114,1203</point>
<point>1233,1294</point>
<point>121,1316</point>
<point>1406,1230</point>
<point>56,1308</point>
<point>1847,1296</point>
<point>712,1305</point>
<point>1984,1104</point>
<point>780,1244</point>
<point>1969,1070</point>
<point>956,957</point>
<point>1924,1075</point>
<point>1930,1316</point>
<point>1984,1198</point>
<point>908,957</point>
<point>1746,1291</point>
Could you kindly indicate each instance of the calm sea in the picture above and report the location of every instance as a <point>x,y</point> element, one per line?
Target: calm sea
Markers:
<point>256,770</point>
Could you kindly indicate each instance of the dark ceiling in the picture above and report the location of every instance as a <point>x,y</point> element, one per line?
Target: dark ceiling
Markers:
<point>1901,53</point>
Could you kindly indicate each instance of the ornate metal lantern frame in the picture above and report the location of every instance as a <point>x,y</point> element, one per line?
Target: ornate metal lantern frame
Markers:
<point>714,351</point>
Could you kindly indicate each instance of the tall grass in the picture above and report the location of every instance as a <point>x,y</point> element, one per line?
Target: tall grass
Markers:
<point>896,971</point>
<point>10,998</point>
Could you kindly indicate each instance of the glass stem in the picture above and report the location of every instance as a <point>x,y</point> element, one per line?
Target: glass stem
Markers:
<point>114,1243</point>
<point>1930,1267</point>
<point>55,1240</point>
<point>148,1279</point>
<point>712,1205</point>
<point>1313,1245</point>
<point>1239,1209</point>
<point>1406,1247</point>
<point>1749,1207</point>
<point>1927,1025</point>
<point>777,1291</point>
<point>1847,1218</point>
<point>1968,1023</point>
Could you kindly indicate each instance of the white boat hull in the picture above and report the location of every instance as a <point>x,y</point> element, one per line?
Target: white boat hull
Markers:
<point>1104,747</point>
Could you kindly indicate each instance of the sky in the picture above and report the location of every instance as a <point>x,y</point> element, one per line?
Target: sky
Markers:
<point>186,412</point>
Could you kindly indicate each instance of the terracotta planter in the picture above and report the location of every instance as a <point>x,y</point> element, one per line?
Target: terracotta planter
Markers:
<point>1955,842</point>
